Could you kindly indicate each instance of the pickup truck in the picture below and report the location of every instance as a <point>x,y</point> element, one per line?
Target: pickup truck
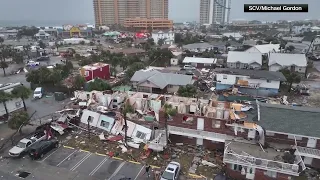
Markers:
<point>24,144</point>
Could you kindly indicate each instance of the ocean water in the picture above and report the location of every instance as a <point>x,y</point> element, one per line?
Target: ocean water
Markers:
<point>4,23</point>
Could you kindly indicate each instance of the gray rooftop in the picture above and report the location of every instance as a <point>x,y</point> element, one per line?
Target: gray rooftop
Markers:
<point>254,74</point>
<point>289,119</point>
<point>198,45</point>
<point>161,79</point>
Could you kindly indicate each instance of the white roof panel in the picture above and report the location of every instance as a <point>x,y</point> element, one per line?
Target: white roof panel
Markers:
<point>284,59</point>
<point>199,60</point>
<point>244,57</point>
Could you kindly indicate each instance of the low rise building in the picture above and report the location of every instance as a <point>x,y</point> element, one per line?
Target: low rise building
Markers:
<point>155,81</point>
<point>200,62</point>
<point>294,62</point>
<point>97,70</point>
<point>198,47</point>
<point>244,60</point>
<point>41,35</point>
<point>265,49</point>
<point>253,82</point>
<point>166,36</point>
<point>148,24</point>
<point>70,31</point>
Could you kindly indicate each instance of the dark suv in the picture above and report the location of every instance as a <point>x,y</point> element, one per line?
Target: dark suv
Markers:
<point>40,149</point>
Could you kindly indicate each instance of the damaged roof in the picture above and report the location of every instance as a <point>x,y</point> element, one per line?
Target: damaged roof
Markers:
<point>161,79</point>
<point>254,74</point>
<point>289,119</point>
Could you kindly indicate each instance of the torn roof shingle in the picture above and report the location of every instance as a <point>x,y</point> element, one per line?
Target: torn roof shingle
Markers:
<point>244,57</point>
<point>284,59</point>
<point>161,79</point>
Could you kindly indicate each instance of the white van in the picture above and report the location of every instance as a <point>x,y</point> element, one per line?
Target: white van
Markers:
<point>38,93</point>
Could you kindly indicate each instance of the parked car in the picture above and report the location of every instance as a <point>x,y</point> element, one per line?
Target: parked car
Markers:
<point>24,144</point>
<point>171,172</point>
<point>33,63</point>
<point>43,58</point>
<point>188,67</point>
<point>39,150</point>
<point>38,93</point>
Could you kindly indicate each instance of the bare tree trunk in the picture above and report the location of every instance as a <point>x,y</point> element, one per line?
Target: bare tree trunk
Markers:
<point>4,71</point>
<point>166,126</point>
<point>125,129</point>
<point>24,104</point>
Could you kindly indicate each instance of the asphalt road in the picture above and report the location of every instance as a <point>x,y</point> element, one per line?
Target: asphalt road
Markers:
<point>71,164</point>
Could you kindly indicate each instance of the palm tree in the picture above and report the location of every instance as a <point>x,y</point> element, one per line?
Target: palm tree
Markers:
<point>1,40</point>
<point>26,50</point>
<point>168,112</point>
<point>126,108</point>
<point>4,65</point>
<point>23,93</point>
<point>4,97</point>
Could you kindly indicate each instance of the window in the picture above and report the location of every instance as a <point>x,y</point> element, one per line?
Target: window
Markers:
<point>104,124</point>
<point>86,73</point>
<point>294,137</point>
<point>90,119</point>
<point>268,81</point>
<point>236,167</point>
<point>271,174</point>
<point>141,135</point>
<point>169,86</point>
<point>18,104</point>
<point>225,76</point>
<point>216,124</point>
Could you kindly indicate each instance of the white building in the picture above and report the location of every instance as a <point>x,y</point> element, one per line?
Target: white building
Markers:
<point>253,82</point>
<point>167,36</point>
<point>244,60</point>
<point>214,11</point>
<point>13,104</point>
<point>235,35</point>
<point>200,62</point>
<point>42,35</point>
<point>265,49</point>
<point>295,62</point>
<point>301,29</point>
<point>315,29</point>
<point>75,41</point>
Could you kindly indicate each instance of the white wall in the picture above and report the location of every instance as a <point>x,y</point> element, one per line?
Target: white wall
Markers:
<point>168,36</point>
<point>231,80</point>
<point>276,67</point>
<point>253,49</point>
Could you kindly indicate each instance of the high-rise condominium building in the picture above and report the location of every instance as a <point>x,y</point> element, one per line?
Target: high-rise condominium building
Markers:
<point>109,12</point>
<point>214,11</point>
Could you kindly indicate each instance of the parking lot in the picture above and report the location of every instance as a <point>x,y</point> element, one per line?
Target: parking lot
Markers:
<point>82,165</point>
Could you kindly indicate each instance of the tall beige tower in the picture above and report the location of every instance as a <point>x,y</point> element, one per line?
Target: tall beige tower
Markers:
<point>214,11</point>
<point>109,12</point>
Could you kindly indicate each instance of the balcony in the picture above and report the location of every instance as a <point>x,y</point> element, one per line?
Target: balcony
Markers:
<point>245,159</point>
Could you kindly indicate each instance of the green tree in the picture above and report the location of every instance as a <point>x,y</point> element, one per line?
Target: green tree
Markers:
<point>17,58</point>
<point>225,38</point>
<point>161,41</point>
<point>259,42</point>
<point>98,85</point>
<point>1,40</point>
<point>18,119</point>
<point>124,63</point>
<point>23,93</point>
<point>132,69</point>
<point>78,82</point>
<point>4,65</point>
<point>160,57</point>
<point>150,41</point>
<point>42,44</point>
<point>187,91</point>
<point>291,76</point>
<point>4,97</point>
<point>169,111</point>
<point>82,43</point>
<point>26,50</point>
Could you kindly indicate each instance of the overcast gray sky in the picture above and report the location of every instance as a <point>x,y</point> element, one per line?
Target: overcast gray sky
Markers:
<point>81,11</point>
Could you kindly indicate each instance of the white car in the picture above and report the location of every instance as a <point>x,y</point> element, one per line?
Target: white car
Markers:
<point>188,67</point>
<point>171,172</point>
<point>33,63</point>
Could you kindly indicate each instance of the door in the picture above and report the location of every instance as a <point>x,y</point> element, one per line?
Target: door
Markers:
<point>312,142</point>
<point>200,126</point>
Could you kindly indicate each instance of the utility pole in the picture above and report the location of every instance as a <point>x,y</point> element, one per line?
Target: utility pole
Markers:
<point>88,128</point>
